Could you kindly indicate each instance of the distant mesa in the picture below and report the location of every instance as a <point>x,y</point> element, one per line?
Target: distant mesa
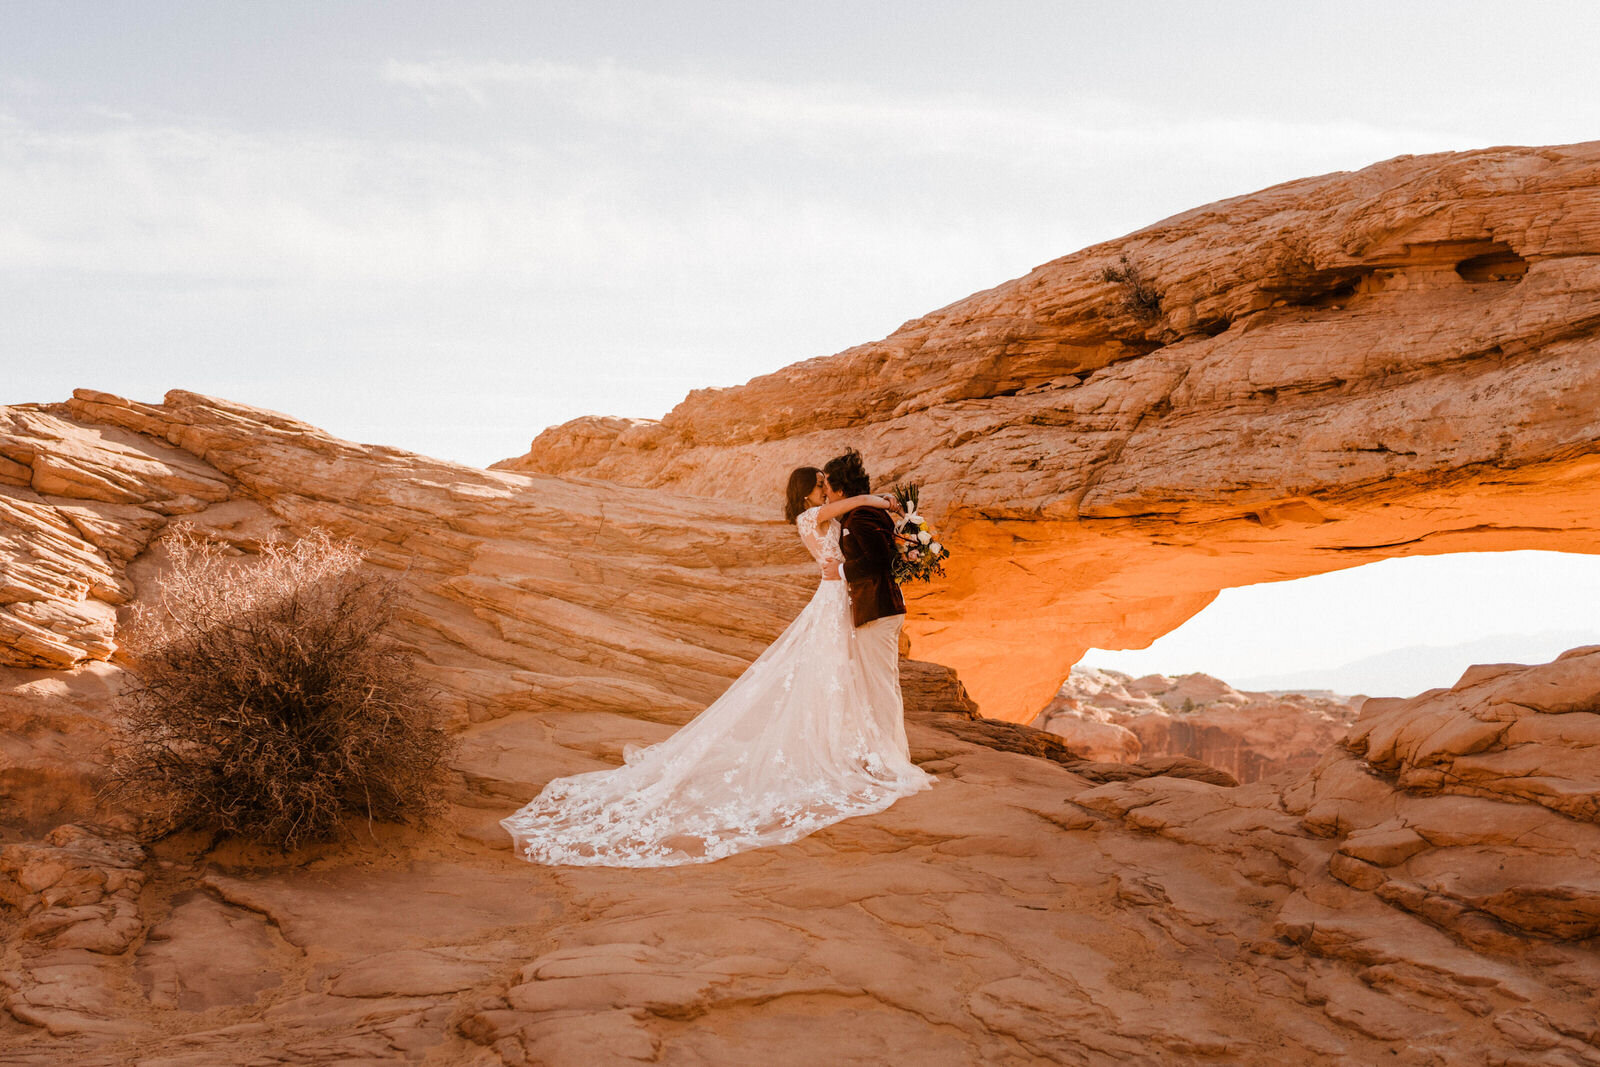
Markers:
<point>1111,716</point>
<point>1404,672</point>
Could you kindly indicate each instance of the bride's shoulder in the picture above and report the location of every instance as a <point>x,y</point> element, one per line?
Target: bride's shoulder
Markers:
<point>810,523</point>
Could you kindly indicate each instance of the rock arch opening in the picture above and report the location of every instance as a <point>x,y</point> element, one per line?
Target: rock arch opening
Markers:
<point>1269,677</point>
<point>1392,628</point>
<point>1030,605</point>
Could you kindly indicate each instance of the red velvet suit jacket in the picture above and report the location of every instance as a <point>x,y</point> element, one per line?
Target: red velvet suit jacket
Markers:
<point>866,538</point>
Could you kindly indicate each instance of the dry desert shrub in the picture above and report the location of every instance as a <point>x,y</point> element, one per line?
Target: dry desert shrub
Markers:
<point>1140,297</point>
<point>266,700</point>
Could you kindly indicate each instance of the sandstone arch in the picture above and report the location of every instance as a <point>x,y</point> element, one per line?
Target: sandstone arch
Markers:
<point>1395,361</point>
<point>1394,381</point>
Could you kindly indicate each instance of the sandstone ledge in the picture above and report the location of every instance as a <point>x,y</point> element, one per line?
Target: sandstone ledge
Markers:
<point>1021,911</point>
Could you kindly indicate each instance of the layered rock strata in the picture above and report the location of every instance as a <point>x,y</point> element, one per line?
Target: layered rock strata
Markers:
<point>72,905</point>
<point>1108,715</point>
<point>527,590</point>
<point>1477,807</point>
<point>1444,854</point>
<point>1394,361</point>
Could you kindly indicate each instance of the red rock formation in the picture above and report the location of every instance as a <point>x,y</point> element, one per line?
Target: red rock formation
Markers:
<point>530,590</point>
<point>1467,812</point>
<point>1362,913</point>
<point>1109,715</point>
<point>1399,360</point>
<point>1474,807</point>
<point>1395,361</point>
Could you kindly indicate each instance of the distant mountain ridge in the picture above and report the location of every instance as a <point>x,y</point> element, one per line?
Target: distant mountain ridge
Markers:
<point>1411,670</point>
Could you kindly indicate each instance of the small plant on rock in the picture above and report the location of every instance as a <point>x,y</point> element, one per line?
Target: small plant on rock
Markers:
<point>266,701</point>
<point>1140,297</point>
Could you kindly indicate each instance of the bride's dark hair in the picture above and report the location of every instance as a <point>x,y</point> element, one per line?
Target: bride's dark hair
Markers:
<point>801,481</point>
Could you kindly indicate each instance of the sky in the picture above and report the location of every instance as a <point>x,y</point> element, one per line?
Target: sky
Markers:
<point>445,227</point>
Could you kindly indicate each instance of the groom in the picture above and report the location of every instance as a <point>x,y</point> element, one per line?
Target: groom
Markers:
<point>866,539</point>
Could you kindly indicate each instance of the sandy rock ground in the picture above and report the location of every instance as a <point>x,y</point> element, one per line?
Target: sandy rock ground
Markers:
<point>1420,897</point>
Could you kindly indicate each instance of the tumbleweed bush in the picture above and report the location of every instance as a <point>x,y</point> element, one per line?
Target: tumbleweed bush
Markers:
<point>266,700</point>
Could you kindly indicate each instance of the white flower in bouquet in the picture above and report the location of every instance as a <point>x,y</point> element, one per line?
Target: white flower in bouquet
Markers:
<point>920,556</point>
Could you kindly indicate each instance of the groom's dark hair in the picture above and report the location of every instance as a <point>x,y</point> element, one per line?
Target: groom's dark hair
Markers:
<point>848,475</point>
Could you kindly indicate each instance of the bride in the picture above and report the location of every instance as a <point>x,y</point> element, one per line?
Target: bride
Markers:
<point>791,746</point>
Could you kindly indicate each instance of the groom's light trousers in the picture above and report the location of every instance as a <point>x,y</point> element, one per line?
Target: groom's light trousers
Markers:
<point>878,645</point>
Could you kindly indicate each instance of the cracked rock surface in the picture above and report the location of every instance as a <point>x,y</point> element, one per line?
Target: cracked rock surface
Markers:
<point>1032,907</point>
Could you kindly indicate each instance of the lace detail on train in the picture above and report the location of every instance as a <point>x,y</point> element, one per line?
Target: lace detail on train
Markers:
<point>790,747</point>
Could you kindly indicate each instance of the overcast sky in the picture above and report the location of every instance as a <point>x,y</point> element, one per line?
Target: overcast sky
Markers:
<point>447,226</point>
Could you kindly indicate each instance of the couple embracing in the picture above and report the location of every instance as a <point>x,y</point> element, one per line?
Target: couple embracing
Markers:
<point>811,733</point>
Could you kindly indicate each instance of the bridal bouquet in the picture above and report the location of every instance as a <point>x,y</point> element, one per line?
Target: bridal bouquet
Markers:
<point>921,555</point>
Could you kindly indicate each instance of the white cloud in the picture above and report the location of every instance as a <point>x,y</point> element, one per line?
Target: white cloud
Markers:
<point>653,232</point>
<point>841,118</point>
<point>219,205</point>
<point>718,178</point>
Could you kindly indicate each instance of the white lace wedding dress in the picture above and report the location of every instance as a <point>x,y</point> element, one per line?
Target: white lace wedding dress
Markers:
<point>791,747</point>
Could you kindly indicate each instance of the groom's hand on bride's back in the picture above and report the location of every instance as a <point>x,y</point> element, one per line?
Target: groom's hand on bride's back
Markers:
<point>830,570</point>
